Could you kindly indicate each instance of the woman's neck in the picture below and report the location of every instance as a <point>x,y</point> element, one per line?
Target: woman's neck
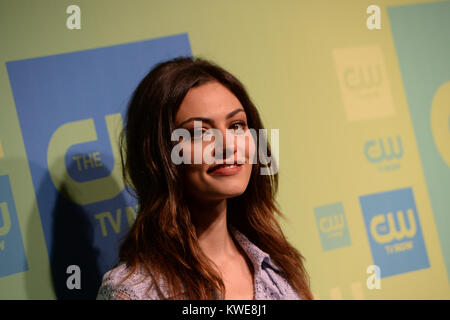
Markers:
<point>213,235</point>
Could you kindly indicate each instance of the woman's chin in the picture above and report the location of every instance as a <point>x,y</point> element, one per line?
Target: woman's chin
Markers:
<point>228,192</point>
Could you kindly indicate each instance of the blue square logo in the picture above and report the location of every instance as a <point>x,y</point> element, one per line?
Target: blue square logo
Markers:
<point>71,109</point>
<point>12,254</point>
<point>394,232</point>
<point>332,226</point>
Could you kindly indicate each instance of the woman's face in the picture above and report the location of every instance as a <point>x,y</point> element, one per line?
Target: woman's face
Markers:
<point>217,108</point>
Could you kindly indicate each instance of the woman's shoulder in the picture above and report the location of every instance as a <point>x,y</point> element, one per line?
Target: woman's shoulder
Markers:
<point>123,283</point>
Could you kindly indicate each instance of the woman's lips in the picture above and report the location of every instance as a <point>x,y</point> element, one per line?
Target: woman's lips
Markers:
<point>225,169</point>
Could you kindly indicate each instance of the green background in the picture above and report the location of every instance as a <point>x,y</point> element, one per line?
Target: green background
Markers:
<point>282,52</point>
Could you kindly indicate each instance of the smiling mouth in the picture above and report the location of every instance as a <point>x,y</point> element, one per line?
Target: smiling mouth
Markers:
<point>225,169</point>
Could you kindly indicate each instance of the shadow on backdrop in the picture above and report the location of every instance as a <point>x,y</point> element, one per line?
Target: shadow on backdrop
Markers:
<point>72,242</point>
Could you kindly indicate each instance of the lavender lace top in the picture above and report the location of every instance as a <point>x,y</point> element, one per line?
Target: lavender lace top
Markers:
<point>269,284</point>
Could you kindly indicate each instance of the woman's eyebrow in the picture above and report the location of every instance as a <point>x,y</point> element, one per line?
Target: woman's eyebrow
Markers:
<point>232,113</point>
<point>207,120</point>
<point>210,121</point>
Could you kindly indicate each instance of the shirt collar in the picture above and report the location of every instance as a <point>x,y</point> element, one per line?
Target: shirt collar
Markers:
<point>259,258</point>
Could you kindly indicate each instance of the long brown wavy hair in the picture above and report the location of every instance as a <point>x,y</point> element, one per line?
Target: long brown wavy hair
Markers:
<point>163,239</point>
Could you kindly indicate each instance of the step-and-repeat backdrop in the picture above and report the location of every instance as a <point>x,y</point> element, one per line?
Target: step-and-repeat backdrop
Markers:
<point>359,91</point>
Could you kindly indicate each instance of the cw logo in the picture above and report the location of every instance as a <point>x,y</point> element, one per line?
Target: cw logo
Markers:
<point>332,225</point>
<point>78,132</point>
<point>378,223</point>
<point>364,82</point>
<point>12,253</point>
<point>358,78</point>
<point>6,218</point>
<point>376,151</point>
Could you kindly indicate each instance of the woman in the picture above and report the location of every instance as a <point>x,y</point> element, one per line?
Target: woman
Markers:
<point>203,230</point>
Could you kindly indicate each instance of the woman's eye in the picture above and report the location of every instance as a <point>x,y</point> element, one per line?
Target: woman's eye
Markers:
<point>238,127</point>
<point>198,134</point>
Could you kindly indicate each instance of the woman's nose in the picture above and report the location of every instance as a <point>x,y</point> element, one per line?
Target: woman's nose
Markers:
<point>224,146</point>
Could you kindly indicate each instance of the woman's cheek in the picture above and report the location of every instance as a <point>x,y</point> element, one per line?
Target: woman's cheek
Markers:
<point>250,149</point>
